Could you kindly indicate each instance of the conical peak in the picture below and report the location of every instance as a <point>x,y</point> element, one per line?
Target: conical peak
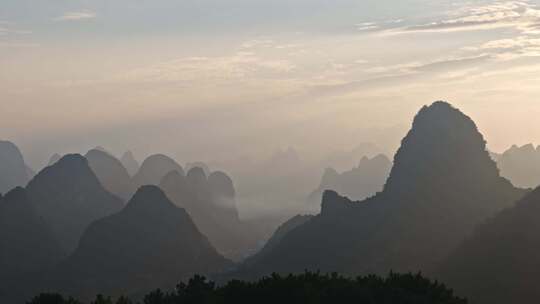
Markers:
<point>196,175</point>
<point>159,158</point>
<point>220,177</point>
<point>221,184</point>
<point>442,114</point>
<point>442,147</point>
<point>98,153</point>
<point>154,168</point>
<point>160,161</point>
<point>72,159</point>
<point>70,169</point>
<point>149,199</point>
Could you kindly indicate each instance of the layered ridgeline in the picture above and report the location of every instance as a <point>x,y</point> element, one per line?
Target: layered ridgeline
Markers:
<point>442,184</point>
<point>27,245</point>
<point>211,203</point>
<point>69,196</point>
<point>110,172</point>
<point>521,165</point>
<point>154,168</point>
<point>151,243</point>
<point>130,163</point>
<point>359,183</point>
<point>13,170</point>
<point>500,262</point>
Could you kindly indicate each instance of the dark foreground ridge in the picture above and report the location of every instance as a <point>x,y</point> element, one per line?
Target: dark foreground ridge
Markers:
<point>150,243</point>
<point>499,263</point>
<point>304,288</point>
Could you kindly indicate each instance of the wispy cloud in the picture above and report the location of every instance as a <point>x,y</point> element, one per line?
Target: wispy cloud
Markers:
<point>240,66</point>
<point>520,15</point>
<point>78,15</point>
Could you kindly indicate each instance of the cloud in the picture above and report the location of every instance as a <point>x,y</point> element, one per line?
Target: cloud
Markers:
<point>78,15</point>
<point>520,15</point>
<point>367,26</point>
<point>240,66</point>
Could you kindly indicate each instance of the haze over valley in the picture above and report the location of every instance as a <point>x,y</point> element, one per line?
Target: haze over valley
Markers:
<point>208,152</point>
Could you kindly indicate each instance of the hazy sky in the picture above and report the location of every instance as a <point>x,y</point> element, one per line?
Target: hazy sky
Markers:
<point>214,79</point>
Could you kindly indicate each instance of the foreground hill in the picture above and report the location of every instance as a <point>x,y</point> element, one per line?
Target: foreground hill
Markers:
<point>442,184</point>
<point>69,197</point>
<point>500,262</point>
<point>27,245</point>
<point>151,243</point>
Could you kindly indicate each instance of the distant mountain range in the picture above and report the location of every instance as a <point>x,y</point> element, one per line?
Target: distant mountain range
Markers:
<point>359,183</point>
<point>87,225</point>
<point>521,165</point>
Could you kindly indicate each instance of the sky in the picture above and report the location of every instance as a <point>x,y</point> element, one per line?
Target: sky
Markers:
<point>219,79</point>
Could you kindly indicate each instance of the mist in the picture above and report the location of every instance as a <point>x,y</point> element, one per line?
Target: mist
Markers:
<point>232,151</point>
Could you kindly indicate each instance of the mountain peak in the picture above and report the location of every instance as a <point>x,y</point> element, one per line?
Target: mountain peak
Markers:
<point>154,168</point>
<point>333,203</point>
<point>149,198</point>
<point>443,146</point>
<point>196,175</point>
<point>69,196</point>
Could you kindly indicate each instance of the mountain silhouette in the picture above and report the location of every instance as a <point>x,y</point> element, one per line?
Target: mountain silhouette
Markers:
<point>499,263</point>
<point>442,183</point>
<point>521,165</point>
<point>54,158</point>
<point>201,165</point>
<point>344,160</point>
<point>130,163</point>
<point>27,245</point>
<point>361,182</point>
<point>13,170</point>
<point>69,196</point>
<point>111,173</point>
<point>154,168</point>
<point>151,243</point>
<point>211,203</point>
